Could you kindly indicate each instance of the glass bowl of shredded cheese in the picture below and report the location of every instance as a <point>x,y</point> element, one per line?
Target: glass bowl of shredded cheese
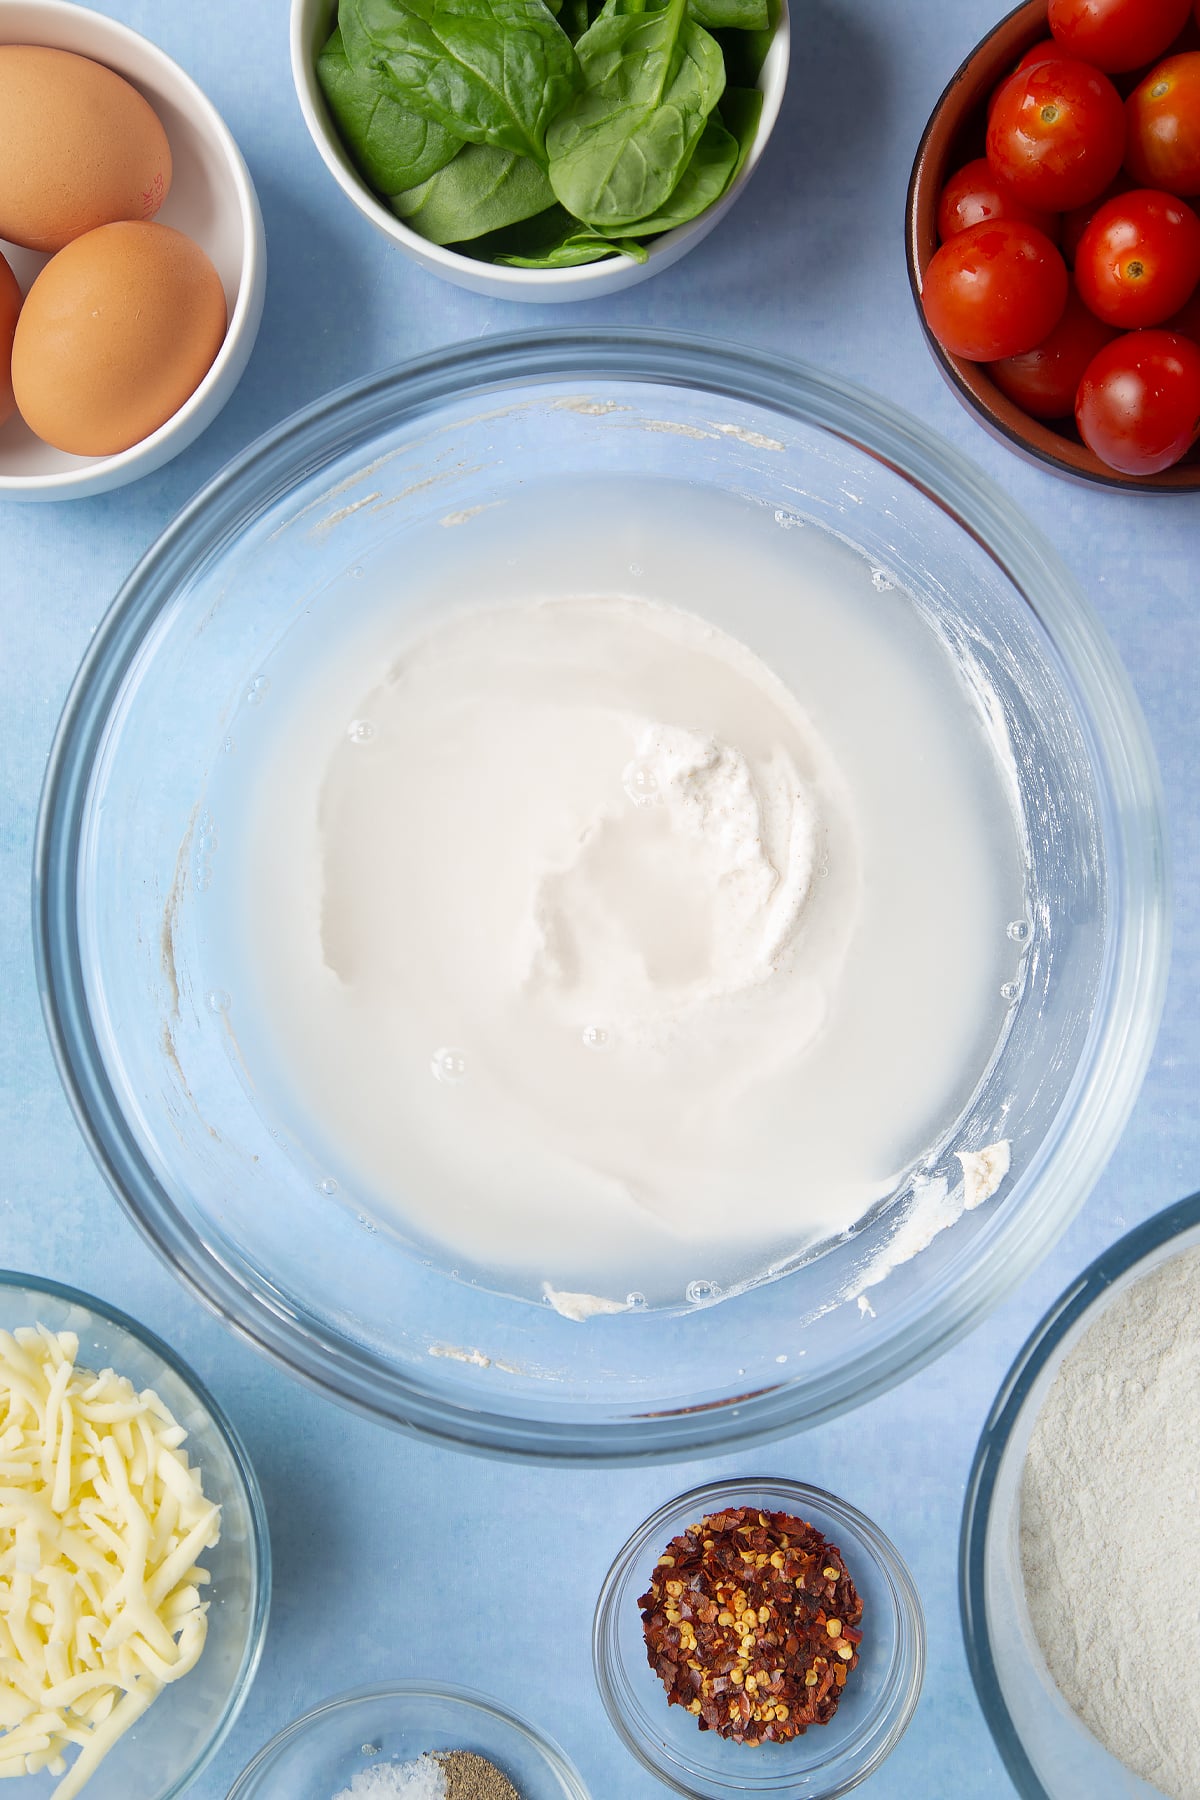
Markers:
<point>134,1556</point>
<point>410,1740</point>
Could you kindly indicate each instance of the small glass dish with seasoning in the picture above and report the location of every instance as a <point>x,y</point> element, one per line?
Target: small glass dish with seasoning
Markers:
<point>418,1737</point>
<point>824,1721</point>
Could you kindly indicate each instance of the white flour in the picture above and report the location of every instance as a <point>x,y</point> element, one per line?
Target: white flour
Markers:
<point>1110,1528</point>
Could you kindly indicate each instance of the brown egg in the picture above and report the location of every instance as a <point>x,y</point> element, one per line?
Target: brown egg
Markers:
<point>10,306</point>
<point>79,147</point>
<point>116,332</point>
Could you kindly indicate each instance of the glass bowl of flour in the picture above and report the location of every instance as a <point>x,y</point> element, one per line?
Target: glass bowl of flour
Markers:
<point>601,896</point>
<point>1081,1532</point>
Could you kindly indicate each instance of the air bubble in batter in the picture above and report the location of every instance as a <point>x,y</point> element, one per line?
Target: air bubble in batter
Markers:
<point>641,784</point>
<point>449,1065</point>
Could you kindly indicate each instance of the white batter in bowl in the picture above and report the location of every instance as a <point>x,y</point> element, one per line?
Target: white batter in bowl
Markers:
<point>138,864</point>
<point>585,947</point>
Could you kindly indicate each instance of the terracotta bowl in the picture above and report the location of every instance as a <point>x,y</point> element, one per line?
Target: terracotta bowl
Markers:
<point>955,134</point>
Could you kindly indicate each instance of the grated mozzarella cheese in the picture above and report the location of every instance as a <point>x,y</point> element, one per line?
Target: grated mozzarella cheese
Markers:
<point>101,1522</point>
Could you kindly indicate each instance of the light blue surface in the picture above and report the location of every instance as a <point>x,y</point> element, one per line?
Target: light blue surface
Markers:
<point>393,1559</point>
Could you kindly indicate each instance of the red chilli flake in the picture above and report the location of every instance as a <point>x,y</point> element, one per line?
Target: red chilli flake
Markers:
<point>751,1623</point>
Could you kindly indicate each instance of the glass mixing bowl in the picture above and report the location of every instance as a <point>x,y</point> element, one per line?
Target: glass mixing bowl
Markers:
<point>1048,1751</point>
<point>129,855</point>
<point>164,1752</point>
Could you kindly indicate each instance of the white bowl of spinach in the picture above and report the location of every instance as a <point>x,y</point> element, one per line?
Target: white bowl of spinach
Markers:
<point>541,149</point>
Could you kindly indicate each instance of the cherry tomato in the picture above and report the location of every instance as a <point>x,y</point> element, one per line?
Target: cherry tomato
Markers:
<point>1044,381</point>
<point>1117,34</point>
<point>994,290</point>
<point>1162,118</point>
<point>973,195</point>
<point>1045,50</point>
<point>1139,259</point>
<point>1056,135</point>
<point>1076,222</point>
<point>1138,407</point>
<point>1187,320</point>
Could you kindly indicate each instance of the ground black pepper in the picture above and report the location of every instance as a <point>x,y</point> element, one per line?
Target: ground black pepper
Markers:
<point>472,1777</point>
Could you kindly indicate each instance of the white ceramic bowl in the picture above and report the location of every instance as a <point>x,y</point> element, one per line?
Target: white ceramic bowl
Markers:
<point>212,199</point>
<point>312,21</point>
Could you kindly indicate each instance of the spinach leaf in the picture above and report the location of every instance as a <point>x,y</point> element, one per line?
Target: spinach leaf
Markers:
<point>527,237</point>
<point>704,180</point>
<point>493,72</point>
<point>730,15</point>
<point>392,147</point>
<point>714,15</point>
<point>481,189</point>
<point>552,240</point>
<point>574,18</point>
<point>741,111</point>
<point>582,246</point>
<point>620,146</point>
<point>745,52</point>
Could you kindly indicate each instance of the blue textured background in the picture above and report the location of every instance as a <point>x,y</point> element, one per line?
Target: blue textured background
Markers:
<point>393,1559</point>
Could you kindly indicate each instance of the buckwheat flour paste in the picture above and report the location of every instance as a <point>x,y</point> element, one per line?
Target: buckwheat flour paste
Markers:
<point>1110,1528</point>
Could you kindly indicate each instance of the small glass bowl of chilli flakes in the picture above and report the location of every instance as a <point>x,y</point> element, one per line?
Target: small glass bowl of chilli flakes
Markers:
<point>750,1621</point>
<point>808,1700</point>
